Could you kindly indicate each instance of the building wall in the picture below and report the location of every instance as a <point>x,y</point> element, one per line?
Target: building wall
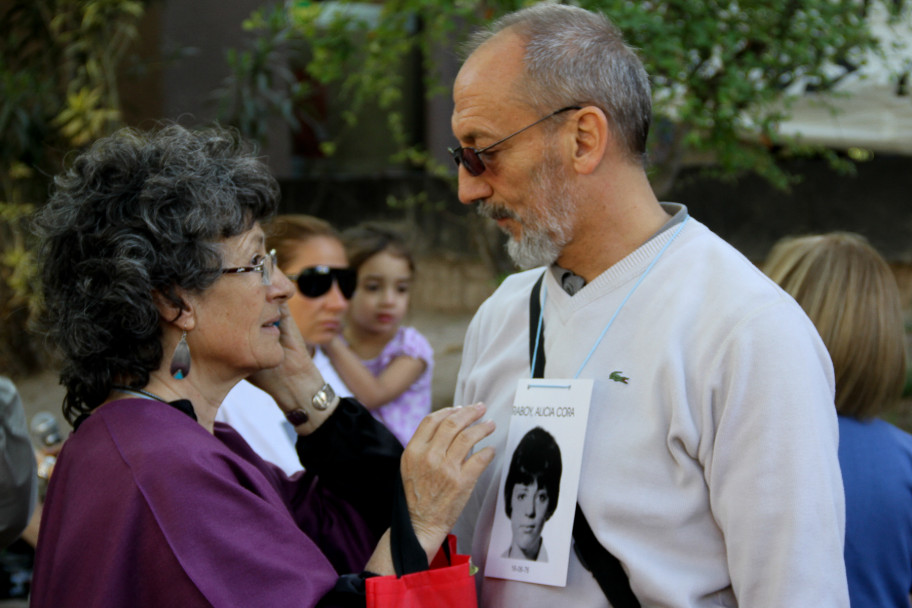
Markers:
<point>193,40</point>
<point>875,202</point>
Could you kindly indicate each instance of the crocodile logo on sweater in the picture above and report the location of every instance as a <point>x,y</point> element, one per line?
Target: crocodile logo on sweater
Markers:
<point>617,377</point>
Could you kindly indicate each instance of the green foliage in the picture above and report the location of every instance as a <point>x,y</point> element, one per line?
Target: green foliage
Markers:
<point>262,84</point>
<point>358,48</point>
<point>59,64</point>
<point>723,72</point>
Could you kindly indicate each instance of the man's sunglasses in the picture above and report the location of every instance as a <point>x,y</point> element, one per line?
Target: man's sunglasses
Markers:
<point>470,158</point>
<point>315,281</point>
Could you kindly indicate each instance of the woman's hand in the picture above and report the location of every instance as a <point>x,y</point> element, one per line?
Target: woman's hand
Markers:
<point>295,381</point>
<point>438,473</point>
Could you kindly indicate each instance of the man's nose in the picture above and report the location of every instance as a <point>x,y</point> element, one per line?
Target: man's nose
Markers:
<point>472,188</point>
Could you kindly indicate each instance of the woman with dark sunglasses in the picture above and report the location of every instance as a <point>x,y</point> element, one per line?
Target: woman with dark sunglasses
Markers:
<point>310,252</point>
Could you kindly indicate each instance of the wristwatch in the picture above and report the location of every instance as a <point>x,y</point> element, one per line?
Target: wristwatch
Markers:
<point>320,401</point>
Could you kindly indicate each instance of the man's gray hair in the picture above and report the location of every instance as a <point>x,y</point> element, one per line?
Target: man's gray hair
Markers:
<point>575,56</point>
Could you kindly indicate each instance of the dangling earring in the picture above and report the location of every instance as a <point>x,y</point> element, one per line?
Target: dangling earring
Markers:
<point>180,360</point>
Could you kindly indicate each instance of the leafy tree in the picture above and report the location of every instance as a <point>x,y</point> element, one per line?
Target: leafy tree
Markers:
<point>724,72</point>
<point>59,67</point>
<point>262,82</point>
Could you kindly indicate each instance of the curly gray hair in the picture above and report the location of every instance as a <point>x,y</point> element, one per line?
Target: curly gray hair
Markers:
<point>137,213</point>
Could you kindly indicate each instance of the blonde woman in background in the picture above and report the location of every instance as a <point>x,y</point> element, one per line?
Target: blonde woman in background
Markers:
<point>851,295</point>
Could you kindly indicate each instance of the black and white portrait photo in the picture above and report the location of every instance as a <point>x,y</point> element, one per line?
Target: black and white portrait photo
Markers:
<point>532,524</point>
<point>531,492</point>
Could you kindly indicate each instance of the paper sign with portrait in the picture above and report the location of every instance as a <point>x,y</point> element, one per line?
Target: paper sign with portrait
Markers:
<point>533,524</point>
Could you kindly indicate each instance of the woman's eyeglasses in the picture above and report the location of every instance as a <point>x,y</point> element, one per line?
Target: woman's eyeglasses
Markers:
<point>315,281</point>
<point>266,268</point>
<point>470,158</point>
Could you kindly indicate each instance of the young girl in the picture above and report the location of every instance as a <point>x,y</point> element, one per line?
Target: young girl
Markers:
<point>386,366</point>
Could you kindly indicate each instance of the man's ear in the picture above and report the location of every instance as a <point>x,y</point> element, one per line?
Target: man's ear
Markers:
<point>591,139</point>
<point>176,309</point>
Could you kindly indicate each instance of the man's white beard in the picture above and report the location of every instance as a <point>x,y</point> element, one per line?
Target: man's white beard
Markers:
<point>533,249</point>
<point>543,238</point>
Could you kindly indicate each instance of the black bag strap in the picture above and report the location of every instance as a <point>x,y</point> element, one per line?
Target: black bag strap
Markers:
<point>604,566</point>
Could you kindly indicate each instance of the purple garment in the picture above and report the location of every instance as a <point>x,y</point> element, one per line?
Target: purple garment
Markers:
<point>148,509</point>
<point>403,414</point>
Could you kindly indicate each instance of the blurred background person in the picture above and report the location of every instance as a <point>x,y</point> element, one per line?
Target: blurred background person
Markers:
<point>19,486</point>
<point>387,366</point>
<point>17,560</point>
<point>850,293</point>
<point>18,469</point>
<point>310,252</point>
<point>161,295</point>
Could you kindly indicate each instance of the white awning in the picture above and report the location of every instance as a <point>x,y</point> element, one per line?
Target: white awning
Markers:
<point>873,117</point>
<point>867,112</point>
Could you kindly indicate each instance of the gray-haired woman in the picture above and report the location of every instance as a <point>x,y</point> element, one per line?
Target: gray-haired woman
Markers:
<point>161,296</point>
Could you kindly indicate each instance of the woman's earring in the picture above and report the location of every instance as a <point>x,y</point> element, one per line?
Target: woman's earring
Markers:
<point>180,360</point>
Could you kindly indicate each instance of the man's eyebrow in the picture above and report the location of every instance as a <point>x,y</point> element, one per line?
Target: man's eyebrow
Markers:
<point>475,136</point>
<point>468,138</point>
<point>474,133</point>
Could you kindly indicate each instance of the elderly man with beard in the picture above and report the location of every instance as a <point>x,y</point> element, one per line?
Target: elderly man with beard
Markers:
<point>709,465</point>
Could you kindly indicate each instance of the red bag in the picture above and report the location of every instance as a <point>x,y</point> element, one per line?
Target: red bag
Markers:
<point>449,583</point>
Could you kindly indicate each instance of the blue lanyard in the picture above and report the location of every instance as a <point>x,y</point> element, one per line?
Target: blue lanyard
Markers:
<point>598,341</point>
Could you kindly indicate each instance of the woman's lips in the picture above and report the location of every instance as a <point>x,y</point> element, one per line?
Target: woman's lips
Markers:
<point>330,325</point>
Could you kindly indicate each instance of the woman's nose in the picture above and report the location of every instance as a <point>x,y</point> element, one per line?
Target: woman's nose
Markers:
<point>530,508</point>
<point>280,286</point>
<point>335,300</point>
